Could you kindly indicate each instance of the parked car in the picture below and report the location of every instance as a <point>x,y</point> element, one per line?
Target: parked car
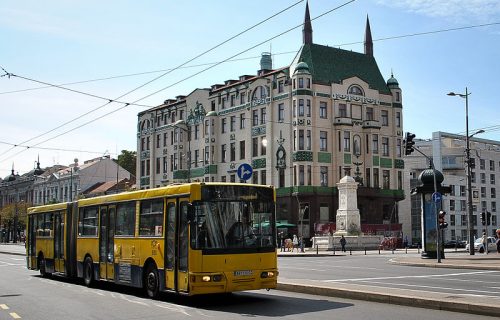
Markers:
<point>478,245</point>
<point>454,244</point>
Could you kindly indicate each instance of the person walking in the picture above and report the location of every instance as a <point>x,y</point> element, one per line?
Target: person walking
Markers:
<point>343,242</point>
<point>295,243</point>
<point>484,240</point>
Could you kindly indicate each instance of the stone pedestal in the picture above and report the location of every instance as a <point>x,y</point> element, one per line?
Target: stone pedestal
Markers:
<point>348,220</point>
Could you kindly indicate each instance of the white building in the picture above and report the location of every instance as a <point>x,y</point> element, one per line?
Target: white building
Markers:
<point>448,153</point>
<point>68,183</point>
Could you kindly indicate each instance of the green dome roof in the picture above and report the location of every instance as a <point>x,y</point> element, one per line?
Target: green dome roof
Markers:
<point>392,82</point>
<point>302,67</point>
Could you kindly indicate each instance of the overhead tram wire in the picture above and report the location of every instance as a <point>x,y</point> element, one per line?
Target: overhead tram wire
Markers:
<point>53,149</point>
<point>247,58</point>
<point>148,82</point>
<point>248,49</point>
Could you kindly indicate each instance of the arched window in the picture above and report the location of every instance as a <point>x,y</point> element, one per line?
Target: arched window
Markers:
<point>356,90</point>
<point>259,93</point>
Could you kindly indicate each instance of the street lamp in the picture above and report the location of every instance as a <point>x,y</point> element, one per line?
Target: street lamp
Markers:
<point>181,124</point>
<point>468,163</point>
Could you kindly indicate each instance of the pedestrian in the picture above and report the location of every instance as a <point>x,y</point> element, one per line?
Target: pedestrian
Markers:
<point>405,242</point>
<point>343,242</point>
<point>498,245</point>
<point>295,243</point>
<point>484,240</point>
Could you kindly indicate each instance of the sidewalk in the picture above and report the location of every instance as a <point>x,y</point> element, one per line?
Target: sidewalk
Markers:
<point>414,298</point>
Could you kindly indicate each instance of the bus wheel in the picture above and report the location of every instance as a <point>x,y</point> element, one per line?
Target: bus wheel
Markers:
<point>42,266</point>
<point>88,272</point>
<point>152,282</point>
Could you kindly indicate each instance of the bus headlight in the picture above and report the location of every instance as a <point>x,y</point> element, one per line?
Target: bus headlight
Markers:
<point>206,279</point>
<point>267,274</point>
<point>217,278</point>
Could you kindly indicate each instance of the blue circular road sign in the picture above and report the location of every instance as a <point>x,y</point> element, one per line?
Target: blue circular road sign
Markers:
<point>244,171</point>
<point>436,197</point>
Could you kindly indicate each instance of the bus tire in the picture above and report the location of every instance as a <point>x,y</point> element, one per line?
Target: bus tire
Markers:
<point>152,281</point>
<point>42,266</point>
<point>88,272</point>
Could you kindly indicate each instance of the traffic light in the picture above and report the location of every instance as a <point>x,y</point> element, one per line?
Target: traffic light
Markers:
<point>472,163</point>
<point>483,218</point>
<point>409,143</point>
<point>488,218</point>
<point>441,219</point>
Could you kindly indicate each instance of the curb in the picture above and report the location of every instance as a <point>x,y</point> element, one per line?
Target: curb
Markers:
<point>397,299</point>
<point>13,253</point>
<point>445,265</point>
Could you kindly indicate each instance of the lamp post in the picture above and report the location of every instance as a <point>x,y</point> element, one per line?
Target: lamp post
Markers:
<point>468,172</point>
<point>181,124</point>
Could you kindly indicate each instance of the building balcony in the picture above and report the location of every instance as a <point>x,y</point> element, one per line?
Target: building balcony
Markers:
<point>371,124</point>
<point>342,121</point>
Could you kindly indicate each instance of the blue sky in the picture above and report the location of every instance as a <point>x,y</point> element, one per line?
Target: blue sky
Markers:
<point>66,41</point>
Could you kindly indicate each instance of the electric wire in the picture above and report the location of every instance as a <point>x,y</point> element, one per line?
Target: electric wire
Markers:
<point>141,86</point>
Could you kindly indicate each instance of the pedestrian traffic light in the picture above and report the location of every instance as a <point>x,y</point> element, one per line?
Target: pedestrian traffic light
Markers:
<point>483,218</point>
<point>472,163</point>
<point>409,143</point>
<point>488,218</point>
<point>441,219</point>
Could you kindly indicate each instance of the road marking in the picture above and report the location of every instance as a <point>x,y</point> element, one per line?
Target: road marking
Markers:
<point>14,315</point>
<point>173,308</point>
<point>408,277</point>
<point>4,307</point>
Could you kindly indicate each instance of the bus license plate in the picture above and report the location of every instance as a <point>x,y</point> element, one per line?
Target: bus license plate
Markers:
<point>238,273</point>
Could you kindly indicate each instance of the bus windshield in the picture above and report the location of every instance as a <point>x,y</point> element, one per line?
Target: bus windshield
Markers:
<point>233,225</point>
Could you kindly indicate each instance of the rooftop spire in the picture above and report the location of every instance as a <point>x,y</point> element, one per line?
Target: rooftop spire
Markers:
<point>368,39</point>
<point>307,31</point>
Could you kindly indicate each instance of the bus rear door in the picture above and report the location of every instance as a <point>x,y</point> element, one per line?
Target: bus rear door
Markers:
<point>59,242</point>
<point>106,242</point>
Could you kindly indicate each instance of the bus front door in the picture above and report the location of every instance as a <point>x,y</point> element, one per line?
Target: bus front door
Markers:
<point>106,242</point>
<point>59,242</point>
<point>177,242</point>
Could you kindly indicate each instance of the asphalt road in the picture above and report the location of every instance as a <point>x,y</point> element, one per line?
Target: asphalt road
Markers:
<point>376,271</point>
<point>25,295</point>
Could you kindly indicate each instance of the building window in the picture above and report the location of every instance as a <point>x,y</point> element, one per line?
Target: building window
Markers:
<point>309,175</point>
<point>492,178</point>
<point>242,97</point>
<point>368,177</point>
<point>263,178</point>
<point>301,175</point>
<point>369,113</point>
<point>355,90</point>
<point>398,119</point>
<point>342,110</point>
<point>323,176</point>
<point>223,103</point>
<point>242,149</point>
<point>385,146</point>
<point>493,206</point>
<point>308,108</point>
<point>398,148</point>
<point>223,153</point>
<point>255,147</point>
<point>473,177</point>
<point>165,139</point>
<point>385,118</point>
<point>301,83</point>
<point>452,190</point>
<point>255,118</point>
<point>263,143</point>
<point>308,139</point>
<point>232,124</point>
<point>482,164</point>
<point>262,115</point>
<point>375,143</point>
<point>301,107</point>
<point>281,112</point>
<point>493,193</point>
<point>308,83</point>
<point>483,192</point>
<point>386,178</point>
<point>158,140</point>
<point>232,178</point>
<point>255,177</point>
<point>165,164</point>
<point>462,191</point>
<point>294,109</point>
<point>158,165</point>
<point>323,110</point>
<point>223,125</point>
<point>232,151</point>
<point>323,141</point>
<point>400,180</point>
<point>281,86</point>
<point>242,121</point>
<point>232,100</point>
<point>452,205</point>
<point>483,177</point>
<point>301,139</point>
<point>375,178</point>
<point>347,141</point>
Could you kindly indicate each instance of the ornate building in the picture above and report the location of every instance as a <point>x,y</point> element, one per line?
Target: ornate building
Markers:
<point>302,128</point>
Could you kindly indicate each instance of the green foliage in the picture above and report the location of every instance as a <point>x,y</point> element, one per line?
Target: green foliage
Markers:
<point>127,160</point>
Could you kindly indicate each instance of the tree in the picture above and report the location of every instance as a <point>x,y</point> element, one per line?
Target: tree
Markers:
<point>127,160</point>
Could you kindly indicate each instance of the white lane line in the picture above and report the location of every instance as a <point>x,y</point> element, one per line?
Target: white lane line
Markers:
<point>309,269</point>
<point>472,280</point>
<point>432,287</point>
<point>14,315</point>
<point>4,307</point>
<point>410,277</point>
<point>173,308</point>
<point>133,300</point>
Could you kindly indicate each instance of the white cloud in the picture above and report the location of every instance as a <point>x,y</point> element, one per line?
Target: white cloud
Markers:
<point>481,11</point>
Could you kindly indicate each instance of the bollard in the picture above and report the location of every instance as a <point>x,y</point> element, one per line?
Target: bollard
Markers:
<point>350,251</point>
<point>333,250</point>
<point>418,249</point>
<point>392,250</point>
<point>316,249</point>
<point>406,250</point>
<point>378,250</point>
<point>365,251</point>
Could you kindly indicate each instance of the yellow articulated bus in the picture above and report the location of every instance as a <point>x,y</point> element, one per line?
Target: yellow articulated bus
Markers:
<point>193,238</point>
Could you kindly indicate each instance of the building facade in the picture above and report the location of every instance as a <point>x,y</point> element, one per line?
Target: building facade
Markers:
<point>448,153</point>
<point>302,127</point>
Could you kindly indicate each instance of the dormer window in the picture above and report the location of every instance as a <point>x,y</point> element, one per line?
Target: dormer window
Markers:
<point>355,90</point>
